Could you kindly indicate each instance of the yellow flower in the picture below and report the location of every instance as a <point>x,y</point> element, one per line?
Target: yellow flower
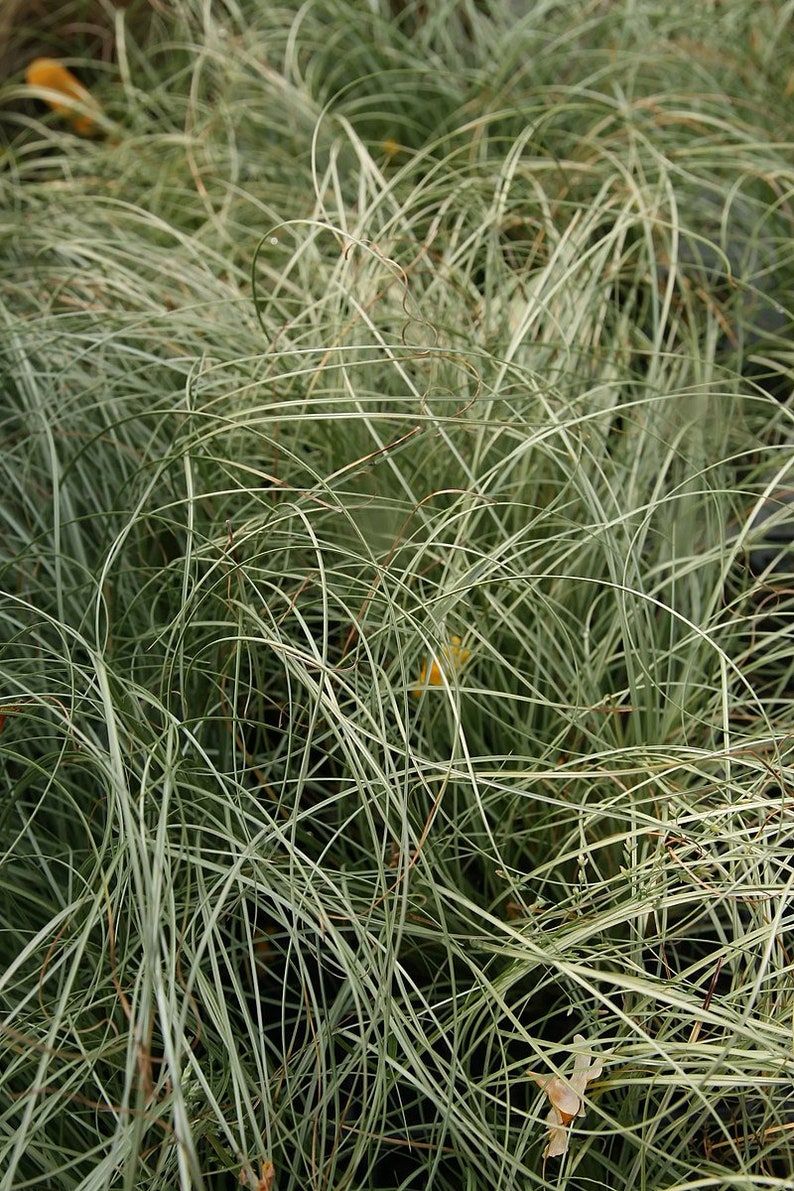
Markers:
<point>565,1097</point>
<point>450,659</point>
<point>49,75</point>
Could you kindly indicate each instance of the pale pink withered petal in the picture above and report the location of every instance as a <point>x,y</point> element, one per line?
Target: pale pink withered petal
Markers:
<point>566,1097</point>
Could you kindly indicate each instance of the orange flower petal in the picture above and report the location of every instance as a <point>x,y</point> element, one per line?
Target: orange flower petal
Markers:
<point>451,657</point>
<point>49,75</point>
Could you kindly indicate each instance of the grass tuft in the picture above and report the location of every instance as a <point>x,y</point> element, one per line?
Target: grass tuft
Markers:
<point>395,675</point>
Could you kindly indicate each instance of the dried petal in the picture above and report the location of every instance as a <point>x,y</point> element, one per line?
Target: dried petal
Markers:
<point>558,1136</point>
<point>565,1097</point>
<point>52,76</point>
<point>450,659</point>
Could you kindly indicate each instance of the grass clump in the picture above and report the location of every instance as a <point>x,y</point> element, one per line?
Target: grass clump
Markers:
<point>395,675</point>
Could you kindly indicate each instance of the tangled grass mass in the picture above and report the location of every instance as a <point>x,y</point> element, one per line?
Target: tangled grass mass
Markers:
<point>396,599</point>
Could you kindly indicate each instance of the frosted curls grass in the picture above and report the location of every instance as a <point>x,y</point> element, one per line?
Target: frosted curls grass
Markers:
<point>481,421</point>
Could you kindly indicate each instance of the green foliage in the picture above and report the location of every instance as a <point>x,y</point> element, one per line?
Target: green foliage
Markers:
<point>377,335</point>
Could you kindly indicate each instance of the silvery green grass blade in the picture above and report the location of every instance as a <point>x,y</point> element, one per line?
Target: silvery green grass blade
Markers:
<point>395,612</point>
